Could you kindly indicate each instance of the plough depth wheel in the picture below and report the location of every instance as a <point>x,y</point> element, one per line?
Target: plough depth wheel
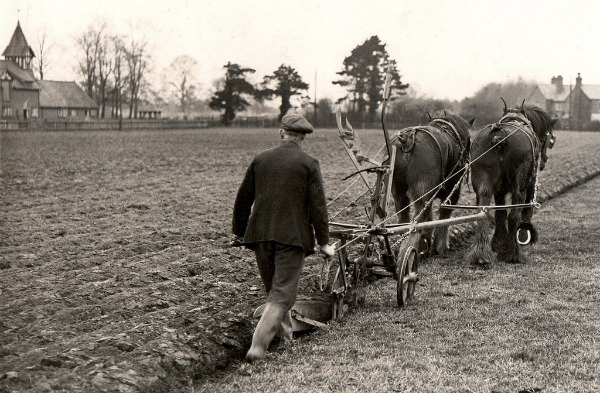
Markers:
<point>407,268</point>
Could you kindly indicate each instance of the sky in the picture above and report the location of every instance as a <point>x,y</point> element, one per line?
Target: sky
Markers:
<point>447,49</point>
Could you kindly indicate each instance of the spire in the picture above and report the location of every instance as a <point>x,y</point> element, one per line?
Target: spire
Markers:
<point>18,50</point>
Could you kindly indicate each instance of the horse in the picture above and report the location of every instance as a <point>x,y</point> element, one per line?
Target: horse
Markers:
<point>427,164</point>
<point>505,157</point>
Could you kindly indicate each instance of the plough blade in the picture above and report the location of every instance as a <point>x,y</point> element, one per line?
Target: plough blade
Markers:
<point>306,314</point>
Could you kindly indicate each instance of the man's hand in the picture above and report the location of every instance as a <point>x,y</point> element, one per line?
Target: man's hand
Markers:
<point>236,241</point>
<point>328,249</point>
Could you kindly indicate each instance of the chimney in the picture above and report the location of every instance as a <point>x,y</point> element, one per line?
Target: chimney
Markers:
<point>578,80</point>
<point>558,82</point>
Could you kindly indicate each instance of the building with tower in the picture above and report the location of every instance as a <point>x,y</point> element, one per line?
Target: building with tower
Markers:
<point>23,97</point>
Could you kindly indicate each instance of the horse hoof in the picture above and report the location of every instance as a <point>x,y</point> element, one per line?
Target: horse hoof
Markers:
<point>505,255</point>
<point>481,265</point>
<point>520,260</point>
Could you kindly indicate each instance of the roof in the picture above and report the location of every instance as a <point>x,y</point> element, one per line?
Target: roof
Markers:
<point>22,79</point>
<point>55,94</point>
<point>549,92</point>
<point>18,45</point>
<point>592,91</point>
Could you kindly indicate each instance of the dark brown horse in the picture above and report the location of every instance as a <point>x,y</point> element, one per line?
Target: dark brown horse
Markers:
<point>505,158</point>
<point>428,161</point>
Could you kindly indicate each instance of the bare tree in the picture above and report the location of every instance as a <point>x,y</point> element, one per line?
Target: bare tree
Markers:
<point>118,55</point>
<point>181,81</point>
<point>137,64</point>
<point>96,64</point>
<point>43,50</point>
<point>104,66</point>
<point>89,43</point>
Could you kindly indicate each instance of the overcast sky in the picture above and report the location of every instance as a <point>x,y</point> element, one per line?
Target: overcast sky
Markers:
<point>444,48</point>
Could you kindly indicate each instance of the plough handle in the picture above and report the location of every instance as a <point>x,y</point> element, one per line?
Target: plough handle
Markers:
<point>386,96</point>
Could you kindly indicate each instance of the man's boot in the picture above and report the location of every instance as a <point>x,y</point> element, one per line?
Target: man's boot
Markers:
<point>268,325</point>
<point>286,330</point>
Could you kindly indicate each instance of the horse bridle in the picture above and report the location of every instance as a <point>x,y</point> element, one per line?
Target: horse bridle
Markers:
<point>551,140</point>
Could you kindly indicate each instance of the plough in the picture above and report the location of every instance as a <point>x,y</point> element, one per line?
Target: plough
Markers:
<point>366,250</point>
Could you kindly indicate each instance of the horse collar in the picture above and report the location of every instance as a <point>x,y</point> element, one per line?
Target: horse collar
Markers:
<point>511,116</point>
<point>454,134</point>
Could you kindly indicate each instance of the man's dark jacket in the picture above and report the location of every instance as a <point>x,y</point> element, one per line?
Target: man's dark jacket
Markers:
<point>282,199</point>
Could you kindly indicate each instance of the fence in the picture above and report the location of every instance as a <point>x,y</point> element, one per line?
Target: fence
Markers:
<point>163,124</point>
<point>104,124</point>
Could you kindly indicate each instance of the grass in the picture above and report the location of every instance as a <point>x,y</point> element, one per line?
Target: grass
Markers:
<point>117,240</point>
<point>527,327</point>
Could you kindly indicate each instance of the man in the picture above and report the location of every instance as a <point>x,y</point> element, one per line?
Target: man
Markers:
<point>279,211</point>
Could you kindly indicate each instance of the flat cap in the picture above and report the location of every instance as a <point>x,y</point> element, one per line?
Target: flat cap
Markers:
<point>296,123</point>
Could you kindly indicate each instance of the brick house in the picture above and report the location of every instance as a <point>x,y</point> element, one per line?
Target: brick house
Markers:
<point>575,106</point>
<point>23,97</point>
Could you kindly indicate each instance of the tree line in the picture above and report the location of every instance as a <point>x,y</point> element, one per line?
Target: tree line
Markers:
<point>115,71</point>
<point>362,76</point>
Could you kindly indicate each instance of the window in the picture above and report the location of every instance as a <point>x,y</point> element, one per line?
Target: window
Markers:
<point>34,112</point>
<point>6,90</point>
<point>73,113</point>
<point>7,112</point>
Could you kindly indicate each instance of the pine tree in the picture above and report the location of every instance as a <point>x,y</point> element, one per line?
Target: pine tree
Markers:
<point>285,83</point>
<point>231,97</point>
<point>364,76</point>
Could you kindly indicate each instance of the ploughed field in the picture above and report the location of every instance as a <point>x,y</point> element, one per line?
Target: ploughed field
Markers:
<point>115,274</point>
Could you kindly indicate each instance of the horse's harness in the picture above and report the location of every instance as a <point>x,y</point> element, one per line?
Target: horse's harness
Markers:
<point>520,123</point>
<point>449,129</point>
<point>443,126</point>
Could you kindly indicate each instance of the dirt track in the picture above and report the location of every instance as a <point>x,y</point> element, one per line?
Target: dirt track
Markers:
<point>115,271</point>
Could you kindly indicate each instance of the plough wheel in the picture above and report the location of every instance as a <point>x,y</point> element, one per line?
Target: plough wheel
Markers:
<point>407,268</point>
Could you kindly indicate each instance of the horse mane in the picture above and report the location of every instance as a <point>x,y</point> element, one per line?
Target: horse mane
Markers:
<point>540,120</point>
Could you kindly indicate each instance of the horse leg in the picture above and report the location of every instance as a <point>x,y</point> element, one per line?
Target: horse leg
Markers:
<point>512,252</point>
<point>481,252</point>
<point>422,212</point>
<point>527,214</point>
<point>401,202</point>
<point>425,213</point>
<point>440,234</point>
<point>500,235</point>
